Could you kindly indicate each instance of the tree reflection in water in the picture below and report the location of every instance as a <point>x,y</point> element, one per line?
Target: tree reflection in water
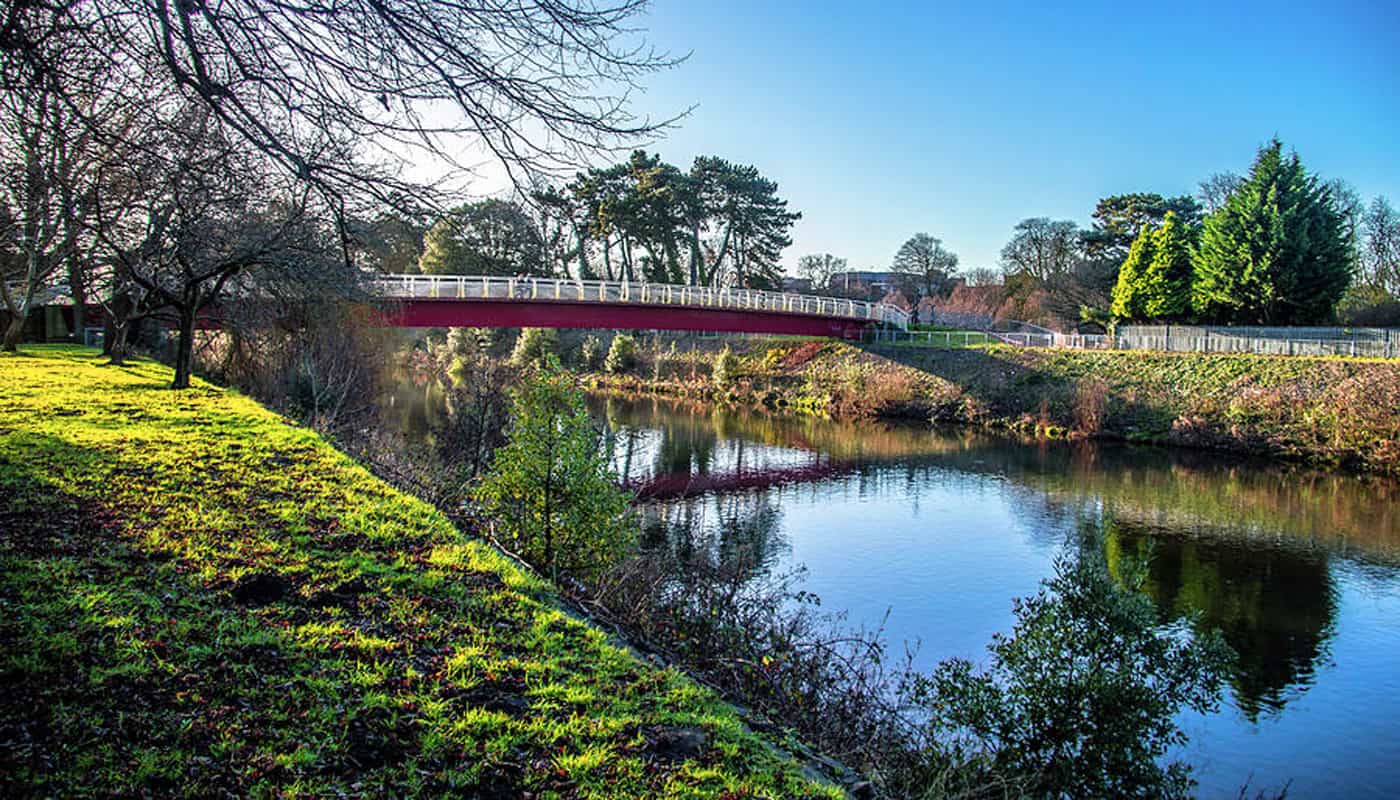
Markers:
<point>1275,607</point>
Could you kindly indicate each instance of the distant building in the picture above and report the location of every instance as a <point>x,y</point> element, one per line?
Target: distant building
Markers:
<point>797,285</point>
<point>877,281</point>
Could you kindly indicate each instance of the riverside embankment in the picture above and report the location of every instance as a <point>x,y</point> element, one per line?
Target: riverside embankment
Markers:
<point>200,598</point>
<point>1343,412</point>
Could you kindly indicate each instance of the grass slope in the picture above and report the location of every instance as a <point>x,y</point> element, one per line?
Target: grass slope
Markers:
<point>200,598</point>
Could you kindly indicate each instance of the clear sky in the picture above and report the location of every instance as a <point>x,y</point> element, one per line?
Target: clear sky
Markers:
<point>879,120</point>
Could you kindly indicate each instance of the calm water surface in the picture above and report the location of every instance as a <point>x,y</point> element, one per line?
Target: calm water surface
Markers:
<point>940,529</point>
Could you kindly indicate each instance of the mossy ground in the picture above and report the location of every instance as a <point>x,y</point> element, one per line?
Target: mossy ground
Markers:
<point>199,598</point>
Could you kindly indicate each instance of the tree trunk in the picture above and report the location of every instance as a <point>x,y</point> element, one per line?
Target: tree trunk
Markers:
<point>184,352</point>
<point>695,258</point>
<point>14,331</point>
<point>114,346</point>
<point>582,257</point>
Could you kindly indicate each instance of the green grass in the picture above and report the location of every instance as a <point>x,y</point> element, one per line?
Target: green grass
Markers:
<point>198,597</point>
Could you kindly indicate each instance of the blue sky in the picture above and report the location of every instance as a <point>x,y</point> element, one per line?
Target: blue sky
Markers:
<point>882,120</point>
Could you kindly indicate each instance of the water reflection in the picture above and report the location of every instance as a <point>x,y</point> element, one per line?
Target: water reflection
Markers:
<point>1276,607</point>
<point>1241,546</point>
<point>743,532</point>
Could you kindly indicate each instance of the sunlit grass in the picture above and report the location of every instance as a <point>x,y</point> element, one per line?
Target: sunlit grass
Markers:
<point>200,597</point>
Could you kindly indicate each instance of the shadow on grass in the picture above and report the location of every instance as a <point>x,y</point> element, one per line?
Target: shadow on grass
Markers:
<point>128,670</point>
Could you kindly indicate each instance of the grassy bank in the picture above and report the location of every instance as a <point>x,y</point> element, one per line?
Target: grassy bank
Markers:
<point>1326,411</point>
<point>199,598</point>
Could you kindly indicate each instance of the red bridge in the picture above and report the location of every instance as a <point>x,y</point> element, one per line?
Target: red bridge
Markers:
<point>483,301</point>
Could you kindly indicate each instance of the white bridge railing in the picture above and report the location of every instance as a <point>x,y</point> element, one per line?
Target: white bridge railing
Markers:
<point>464,287</point>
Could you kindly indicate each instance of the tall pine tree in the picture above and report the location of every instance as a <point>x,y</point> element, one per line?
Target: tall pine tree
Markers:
<point>1164,289</point>
<point>1276,252</point>
<point>1127,303</point>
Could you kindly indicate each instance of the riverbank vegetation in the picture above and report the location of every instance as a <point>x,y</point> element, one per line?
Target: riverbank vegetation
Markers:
<point>1320,410</point>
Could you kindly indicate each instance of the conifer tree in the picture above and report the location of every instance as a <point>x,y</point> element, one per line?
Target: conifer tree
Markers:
<point>1164,289</point>
<point>1127,304</point>
<point>1276,251</point>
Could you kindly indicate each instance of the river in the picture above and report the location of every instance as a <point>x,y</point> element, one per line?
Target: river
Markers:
<point>935,531</point>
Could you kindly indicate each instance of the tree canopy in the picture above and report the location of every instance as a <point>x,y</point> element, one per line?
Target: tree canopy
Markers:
<point>1042,248</point>
<point>719,224</point>
<point>1118,219</point>
<point>1165,291</point>
<point>491,237</point>
<point>1127,302</point>
<point>923,258</point>
<point>535,84</point>
<point>1276,252</point>
<point>819,267</point>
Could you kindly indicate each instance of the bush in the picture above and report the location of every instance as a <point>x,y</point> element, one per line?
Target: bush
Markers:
<point>726,367</point>
<point>622,355</point>
<point>549,492</point>
<point>590,352</point>
<point>534,347</point>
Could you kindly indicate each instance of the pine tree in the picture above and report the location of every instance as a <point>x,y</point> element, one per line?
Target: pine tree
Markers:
<point>1127,302</point>
<point>1164,289</point>
<point>1276,252</point>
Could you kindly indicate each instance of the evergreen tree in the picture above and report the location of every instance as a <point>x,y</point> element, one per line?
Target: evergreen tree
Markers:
<point>552,496</point>
<point>1164,289</point>
<point>1127,302</point>
<point>1276,252</point>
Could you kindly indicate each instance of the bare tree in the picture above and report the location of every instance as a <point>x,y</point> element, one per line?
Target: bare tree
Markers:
<point>1042,249</point>
<point>1216,189</point>
<point>201,213</point>
<point>533,83</point>
<point>48,162</point>
<point>983,276</point>
<point>819,267</point>
<point>923,258</point>
<point>1380,253</point>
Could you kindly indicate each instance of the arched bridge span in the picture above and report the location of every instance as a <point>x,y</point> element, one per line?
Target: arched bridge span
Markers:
<point>485,301</point>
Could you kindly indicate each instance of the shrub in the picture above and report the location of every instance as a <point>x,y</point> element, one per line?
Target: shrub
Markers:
<point>622,355</point>
<point>549,492</point>
<point>590,352</point>
<point>1091,399</point>
<point>726,367</point>
<point>534,347</point>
